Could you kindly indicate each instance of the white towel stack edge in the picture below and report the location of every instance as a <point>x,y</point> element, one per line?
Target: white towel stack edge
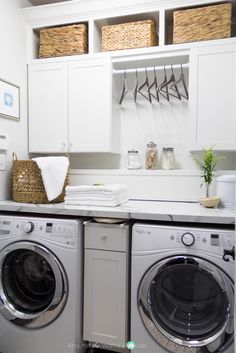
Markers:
<point>97,195</point>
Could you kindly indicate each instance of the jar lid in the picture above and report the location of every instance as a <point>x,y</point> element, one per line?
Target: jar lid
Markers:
<point>132,151</point>
<point>165,149</point>
<point>151,145</point>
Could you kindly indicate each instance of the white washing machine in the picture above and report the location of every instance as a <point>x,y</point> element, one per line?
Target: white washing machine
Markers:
<point>40,285</point>
<point>182,290</point>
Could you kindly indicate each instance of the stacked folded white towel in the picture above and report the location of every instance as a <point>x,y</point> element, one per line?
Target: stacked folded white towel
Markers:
<point>96,195</point>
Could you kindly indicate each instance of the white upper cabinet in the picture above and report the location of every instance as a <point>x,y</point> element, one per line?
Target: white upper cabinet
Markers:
<point>90,123</point>
<point>48,128</point>
<point>70,107</point>
<point>73,100</point>
<point>212,88</point>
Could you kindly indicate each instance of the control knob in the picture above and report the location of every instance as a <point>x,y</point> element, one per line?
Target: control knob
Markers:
<point>188,239</point>
<point>28,227</point>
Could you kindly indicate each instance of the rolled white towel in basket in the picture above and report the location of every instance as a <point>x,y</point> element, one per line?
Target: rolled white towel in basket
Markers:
<point>53,171</point>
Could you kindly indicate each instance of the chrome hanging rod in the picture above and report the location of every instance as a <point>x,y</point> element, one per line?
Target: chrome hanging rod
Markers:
<point>151,68</point>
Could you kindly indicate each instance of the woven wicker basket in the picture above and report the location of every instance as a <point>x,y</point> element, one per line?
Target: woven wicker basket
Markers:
<point>137,34</point>
<point>27,184</point>
<point>203,23</point>
<point>62,41</point>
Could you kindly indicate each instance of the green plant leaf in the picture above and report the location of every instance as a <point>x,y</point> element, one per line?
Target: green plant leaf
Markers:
<point>208,164</point>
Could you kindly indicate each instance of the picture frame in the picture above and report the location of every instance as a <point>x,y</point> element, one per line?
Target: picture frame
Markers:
<point>9,100</point>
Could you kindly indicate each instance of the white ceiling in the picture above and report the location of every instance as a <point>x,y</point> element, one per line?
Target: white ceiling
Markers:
<point>43,2</point>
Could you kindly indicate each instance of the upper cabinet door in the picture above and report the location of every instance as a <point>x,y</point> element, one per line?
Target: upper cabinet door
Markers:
<point>89,95</point>
<point>48,108</point>
<point>213,97</point>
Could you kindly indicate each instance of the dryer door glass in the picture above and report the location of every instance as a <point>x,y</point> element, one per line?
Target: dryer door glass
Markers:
<point>188,300</point>
<point>28,280</point>
<point>33,285</point>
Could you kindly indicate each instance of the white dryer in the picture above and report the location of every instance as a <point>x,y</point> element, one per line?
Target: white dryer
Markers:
<point>182,290</point>
<point>40,285</point>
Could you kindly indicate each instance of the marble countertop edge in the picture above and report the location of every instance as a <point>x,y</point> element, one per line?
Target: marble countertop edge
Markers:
<point>133,209</point>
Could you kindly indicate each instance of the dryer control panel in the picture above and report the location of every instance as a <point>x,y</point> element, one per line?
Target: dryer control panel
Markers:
<point>58,231</point>
<point>157,237</point>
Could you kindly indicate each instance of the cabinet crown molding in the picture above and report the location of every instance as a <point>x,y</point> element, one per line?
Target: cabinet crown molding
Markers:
<point>67,12</point>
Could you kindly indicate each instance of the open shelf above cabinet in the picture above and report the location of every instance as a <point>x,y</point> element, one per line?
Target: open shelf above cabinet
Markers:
<point>72,37</point>
<point>216,21</point>
<point>162,12</point>
<point>98,24</point>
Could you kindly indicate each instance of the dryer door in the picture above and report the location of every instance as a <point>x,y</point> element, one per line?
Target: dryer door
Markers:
<point>33,285</point>
<point>186,301</point>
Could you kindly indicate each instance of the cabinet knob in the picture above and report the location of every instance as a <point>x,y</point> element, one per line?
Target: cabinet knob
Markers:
<point>104,237</point>
<point>64,145</point>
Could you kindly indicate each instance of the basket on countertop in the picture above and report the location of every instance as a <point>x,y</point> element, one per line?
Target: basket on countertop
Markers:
<point>64,40</point>
<point>203,23</point>
<point>27,183</point>
<point>138,34</point>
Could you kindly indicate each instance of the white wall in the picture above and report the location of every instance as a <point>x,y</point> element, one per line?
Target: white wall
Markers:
<point>13,68</point>
<point>172,185</point>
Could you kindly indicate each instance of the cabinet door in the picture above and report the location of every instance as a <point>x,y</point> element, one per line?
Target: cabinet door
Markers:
<point>105,297</point>
<point>48,106</point>
<point>90,106</point>
<point>213,96</point>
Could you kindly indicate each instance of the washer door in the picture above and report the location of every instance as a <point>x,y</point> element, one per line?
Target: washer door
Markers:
<point>33,285</point>
<point>186,301</point>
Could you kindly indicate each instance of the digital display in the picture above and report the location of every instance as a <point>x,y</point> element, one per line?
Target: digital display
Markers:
<point>48,227</point>
<point>215,239</point>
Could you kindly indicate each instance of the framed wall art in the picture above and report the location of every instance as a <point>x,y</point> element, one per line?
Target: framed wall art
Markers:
<point>9,100</point>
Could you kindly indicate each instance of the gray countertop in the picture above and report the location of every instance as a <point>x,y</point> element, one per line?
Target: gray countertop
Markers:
<point>133,209</point>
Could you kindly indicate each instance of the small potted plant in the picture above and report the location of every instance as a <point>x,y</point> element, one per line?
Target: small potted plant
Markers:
<point>207,166</point>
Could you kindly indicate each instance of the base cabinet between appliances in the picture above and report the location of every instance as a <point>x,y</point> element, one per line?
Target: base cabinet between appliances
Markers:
<point>106,285</point>
<point>212,93</point>
<point>70,107</point>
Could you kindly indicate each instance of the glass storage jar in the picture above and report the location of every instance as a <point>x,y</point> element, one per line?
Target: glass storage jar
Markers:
<point>133,160</point>
<point>151,156</point>
<point>168,158</point>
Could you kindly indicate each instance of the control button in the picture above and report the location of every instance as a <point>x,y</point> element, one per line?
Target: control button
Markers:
<point>188,239</point>
<point>172,237</point>
<point>28,227</point>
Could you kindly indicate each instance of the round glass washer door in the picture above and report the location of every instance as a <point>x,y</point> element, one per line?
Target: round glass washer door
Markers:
<point>33,285</point>
<point>187,301</point>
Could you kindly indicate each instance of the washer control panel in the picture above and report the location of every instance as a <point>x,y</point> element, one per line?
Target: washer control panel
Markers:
<point>55,230</point>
